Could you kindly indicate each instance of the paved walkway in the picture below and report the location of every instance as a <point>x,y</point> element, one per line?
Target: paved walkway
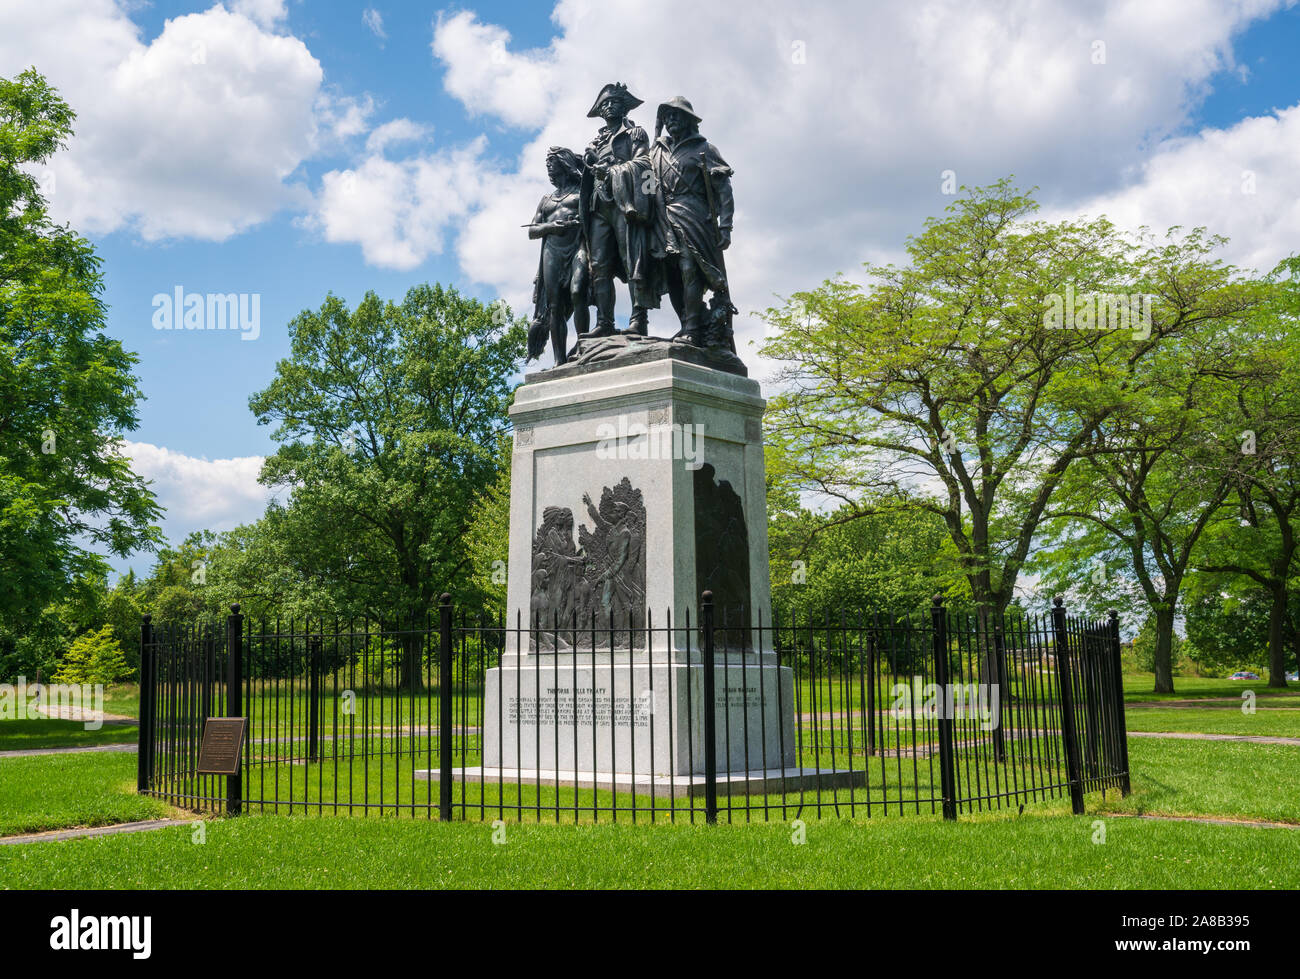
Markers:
<point>1221,703</point>
<point>1190,736</point>
<point>66,712</point>
<point>54,836</point>
<point>24,752</point>
<point>1259,823</point>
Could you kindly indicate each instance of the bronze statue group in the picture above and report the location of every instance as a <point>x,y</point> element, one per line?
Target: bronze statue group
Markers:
<point>656,216</point>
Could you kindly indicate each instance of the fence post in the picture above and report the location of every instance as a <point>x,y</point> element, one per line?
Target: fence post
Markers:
<point>144,751</point>
<point>947,760</point>
<point>710,712</point>
<point>445,685</point>
<point>999,677</point>
<point>1065,677</point>
<point>1090,674</point>
<point>871,693</point>
<point>235,700</point>
<point>313,695</point>
<point>1125,788</point>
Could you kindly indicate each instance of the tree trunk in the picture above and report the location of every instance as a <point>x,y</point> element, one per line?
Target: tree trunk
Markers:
<point>412,643</point>
<point>1295,644</point>
<point>1164,653</point>
<point>1276,647</point>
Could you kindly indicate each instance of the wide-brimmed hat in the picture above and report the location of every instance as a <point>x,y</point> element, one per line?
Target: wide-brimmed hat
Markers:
<point>616,89</point>
<point>680,104</point>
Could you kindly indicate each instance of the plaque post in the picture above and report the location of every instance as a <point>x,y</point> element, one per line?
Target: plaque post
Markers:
<point>234,699</point>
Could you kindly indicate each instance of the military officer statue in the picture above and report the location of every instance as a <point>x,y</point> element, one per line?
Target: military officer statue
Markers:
<point>618,210</point>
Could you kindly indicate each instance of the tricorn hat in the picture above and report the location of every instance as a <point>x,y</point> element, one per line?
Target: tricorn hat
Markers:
<point>680,104</point>
<point>616,89</point>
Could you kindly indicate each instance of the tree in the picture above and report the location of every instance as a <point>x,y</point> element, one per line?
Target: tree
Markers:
<point>1153,478</point>
<point>947,385</point>
<point>67,392</point>
<point>1227,623</point>
<point>1260,537</point>
<point>1146,642</point>
<point>389,417</point>
<point>94,657</point>
<point>824,563</point>
<point>487,539</point>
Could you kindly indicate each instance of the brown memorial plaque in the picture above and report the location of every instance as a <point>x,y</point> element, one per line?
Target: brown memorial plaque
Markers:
<point>223,738</point>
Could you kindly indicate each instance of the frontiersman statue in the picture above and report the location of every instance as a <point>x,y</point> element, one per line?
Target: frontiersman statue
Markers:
<point>562,283</point>
<point>695,209</point>
<point>618,210</point>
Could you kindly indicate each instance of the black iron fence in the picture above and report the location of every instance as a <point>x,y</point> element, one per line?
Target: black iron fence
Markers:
<point>473,718</point>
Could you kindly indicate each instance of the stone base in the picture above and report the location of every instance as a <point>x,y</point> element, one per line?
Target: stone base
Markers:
<point>772,781</point>
<point>624,350</point>
<point>602,712</point>
<point>636,485</point>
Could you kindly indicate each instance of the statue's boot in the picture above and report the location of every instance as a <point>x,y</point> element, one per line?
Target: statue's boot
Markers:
<point>637,323</point>
<point>604,290</point>
<point>692,308</point>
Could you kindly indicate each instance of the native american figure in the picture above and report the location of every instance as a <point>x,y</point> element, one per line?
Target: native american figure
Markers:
<point>618,210</point>
<point>556,564</point>
<point>562,286</point>
<point>599,581</point>
<point>694,209</point>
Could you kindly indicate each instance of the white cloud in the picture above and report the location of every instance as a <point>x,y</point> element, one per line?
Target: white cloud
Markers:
<point>266,13</point>
<point>197,133</point>
<point>396,131</point>
<point>401,212</point>
<point>488,77</point>
<point>1240,182</point>
<point>198,493</point>
<point>374,20</point>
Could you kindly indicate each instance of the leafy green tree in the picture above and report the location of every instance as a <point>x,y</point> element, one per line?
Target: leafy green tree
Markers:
<point>1259,536</point>
<point>945,385</point>
<point>1125,523</point>
<point>1227,624</point>
<point>389,417</point>
<point>94,657</point>
<point>67,391</point>
<point>891,562</point>
<point>487,539</point>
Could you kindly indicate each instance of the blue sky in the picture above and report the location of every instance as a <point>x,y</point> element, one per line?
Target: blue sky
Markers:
<point>305,154</point>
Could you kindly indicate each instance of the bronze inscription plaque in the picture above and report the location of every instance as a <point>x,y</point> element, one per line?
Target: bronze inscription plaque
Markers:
<point>223,738</point>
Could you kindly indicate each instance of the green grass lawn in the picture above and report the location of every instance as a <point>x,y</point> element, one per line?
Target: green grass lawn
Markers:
<point>1044,847</point>
<point>1222,779</point>
<point>56,791</point>
<point>1139,687</point>
<point>48,733</point>
<point>1282,723</point>
<point>1025,852</point>
<point>123,699</point>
